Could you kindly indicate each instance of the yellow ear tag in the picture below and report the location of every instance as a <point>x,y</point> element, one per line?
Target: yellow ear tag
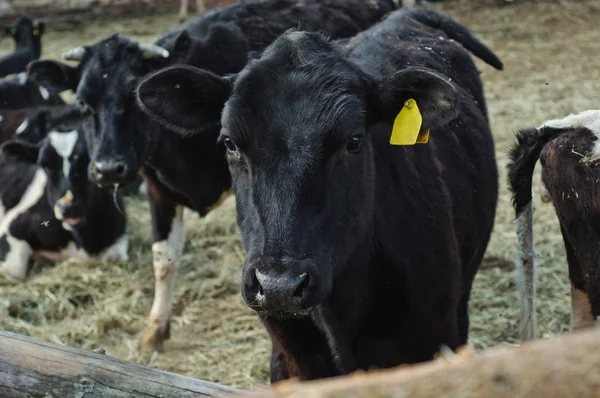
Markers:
<point>36,32</point>
<point>407,126</point>
<point>13,32</point>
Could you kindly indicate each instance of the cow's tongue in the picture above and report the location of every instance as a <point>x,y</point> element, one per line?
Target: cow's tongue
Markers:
<point>73,220</point>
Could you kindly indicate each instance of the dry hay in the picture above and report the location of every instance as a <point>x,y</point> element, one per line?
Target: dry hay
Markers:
<point>214,335</point>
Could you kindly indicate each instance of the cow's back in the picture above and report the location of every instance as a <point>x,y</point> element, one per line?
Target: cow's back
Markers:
<point>262,22</point>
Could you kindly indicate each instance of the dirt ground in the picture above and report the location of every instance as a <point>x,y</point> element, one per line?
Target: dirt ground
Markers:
<point>551,69</point>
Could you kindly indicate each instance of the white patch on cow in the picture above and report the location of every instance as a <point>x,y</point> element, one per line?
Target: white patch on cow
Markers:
<point>22,78</point>
<point>166,257</point>
<point>118,251</point>
<point>64,143</point>
<point>44,93</point>
<point>581,310</point>
<point>1,118</point>
<point>526,274</point>
<point>2,210</point>
<point>22,127</point>
<point>17,257</point>
<point>588,119</point>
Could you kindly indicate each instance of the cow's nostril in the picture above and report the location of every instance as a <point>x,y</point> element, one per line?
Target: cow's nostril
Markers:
<point>301,288</point>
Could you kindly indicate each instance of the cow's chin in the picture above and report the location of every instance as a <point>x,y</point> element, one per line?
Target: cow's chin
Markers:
<point>284,315</point>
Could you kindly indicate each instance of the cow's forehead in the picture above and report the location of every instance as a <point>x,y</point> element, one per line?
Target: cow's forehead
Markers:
<point>311,100</point>
<point>112,61</point>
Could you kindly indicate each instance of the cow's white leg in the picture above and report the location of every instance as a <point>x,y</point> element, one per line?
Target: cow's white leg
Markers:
<point>581,310</point>
<point>166,256</point>
<point>16,261</point>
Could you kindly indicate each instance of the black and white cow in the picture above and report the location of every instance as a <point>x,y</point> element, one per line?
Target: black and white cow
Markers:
<point>360,253</point>
<point>569,152</point>
<point>28,124</point>
<point>48,208</point>
<point>20,92</point>
<point>27,35</point>
<point>180,172</point>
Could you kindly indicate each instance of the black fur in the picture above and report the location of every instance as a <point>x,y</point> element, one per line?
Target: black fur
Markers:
<point>16,93</point>
<point>359,258</point>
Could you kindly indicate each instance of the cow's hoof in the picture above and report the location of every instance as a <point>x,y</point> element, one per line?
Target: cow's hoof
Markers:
<point>154,337</point>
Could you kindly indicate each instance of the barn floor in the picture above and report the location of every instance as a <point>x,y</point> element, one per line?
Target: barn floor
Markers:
<point>550,54</point>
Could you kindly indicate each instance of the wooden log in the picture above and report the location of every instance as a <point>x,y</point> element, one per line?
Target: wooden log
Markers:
<point>34,368</point>
<point>568,366</point>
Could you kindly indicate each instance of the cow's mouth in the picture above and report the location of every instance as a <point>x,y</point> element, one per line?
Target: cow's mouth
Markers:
<point>279,314</point>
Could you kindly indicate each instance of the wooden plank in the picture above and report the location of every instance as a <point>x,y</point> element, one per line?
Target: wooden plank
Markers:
<point>568,366</point>
<point>34,368</point>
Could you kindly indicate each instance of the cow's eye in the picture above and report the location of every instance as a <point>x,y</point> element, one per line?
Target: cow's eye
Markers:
<point>81,104</point>
<point>355,143</point>
<point>230,145</point>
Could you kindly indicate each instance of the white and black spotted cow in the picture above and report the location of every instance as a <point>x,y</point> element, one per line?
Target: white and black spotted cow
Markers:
<point>49,209</point>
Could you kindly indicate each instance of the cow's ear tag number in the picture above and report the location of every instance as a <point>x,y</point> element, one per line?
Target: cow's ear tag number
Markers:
<point>407,126</point>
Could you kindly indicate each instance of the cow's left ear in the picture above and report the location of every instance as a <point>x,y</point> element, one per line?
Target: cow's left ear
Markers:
<point>184,98</point>
<point>434,94</point>
<point>21,150</point>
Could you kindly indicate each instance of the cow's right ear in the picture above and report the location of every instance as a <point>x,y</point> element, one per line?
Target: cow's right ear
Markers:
<point>183,98</point>
<point>183,43</point>
<point>21,150</point>
<point>55,76</point>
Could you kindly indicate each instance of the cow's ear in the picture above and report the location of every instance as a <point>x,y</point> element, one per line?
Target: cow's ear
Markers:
<point>183,43</point>
<point>21,150</point>
<point>55,76</point>
<point>183,98</point>
<point>434,94</point>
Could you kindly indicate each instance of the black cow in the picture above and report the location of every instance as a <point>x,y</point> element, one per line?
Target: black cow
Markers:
<point>49,209</point>
<point>124,141</point>
<point>28,45</point>
<point>569,152</point>
<point>360,253</point>
<point>20,92</point>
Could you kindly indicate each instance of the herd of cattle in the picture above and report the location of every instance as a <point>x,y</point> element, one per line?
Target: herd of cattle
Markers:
<point>355,137</point>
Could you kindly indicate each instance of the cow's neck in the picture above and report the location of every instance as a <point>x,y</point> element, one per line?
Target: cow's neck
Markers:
<point>194,168</point>
<point>104,223</point>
